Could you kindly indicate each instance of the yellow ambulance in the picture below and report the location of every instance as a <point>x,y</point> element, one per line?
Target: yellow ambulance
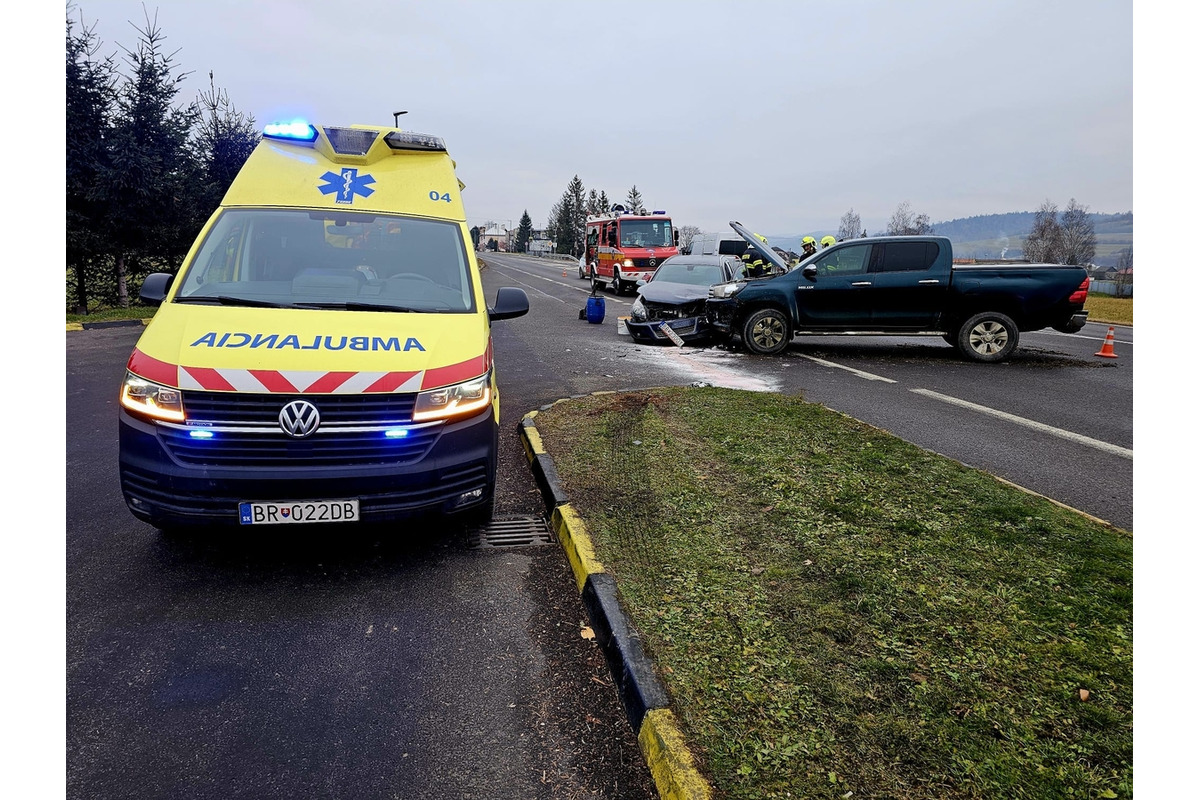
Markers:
<point>324,353</point>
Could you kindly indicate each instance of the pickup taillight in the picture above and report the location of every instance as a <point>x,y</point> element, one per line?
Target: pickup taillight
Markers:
<point>1080,294</point>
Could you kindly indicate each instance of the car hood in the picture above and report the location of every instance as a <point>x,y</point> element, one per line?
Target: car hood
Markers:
<point>771,255</point>
<point>666,292</point>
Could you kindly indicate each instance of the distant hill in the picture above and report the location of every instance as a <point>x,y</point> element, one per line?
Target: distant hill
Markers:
<point>1001,235</point>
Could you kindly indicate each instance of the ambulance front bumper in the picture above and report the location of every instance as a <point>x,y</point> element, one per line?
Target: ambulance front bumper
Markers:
<point>169,486</point>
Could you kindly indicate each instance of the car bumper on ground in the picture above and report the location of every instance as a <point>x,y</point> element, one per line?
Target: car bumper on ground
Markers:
<point>168,484</point>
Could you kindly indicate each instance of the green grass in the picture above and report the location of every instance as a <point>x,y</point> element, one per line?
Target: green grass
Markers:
<point>1113,310</point>
<point>113,314</point>
<point>834,610</point>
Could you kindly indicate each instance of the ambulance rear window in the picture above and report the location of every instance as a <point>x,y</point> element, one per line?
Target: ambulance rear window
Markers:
<point>331,259</point>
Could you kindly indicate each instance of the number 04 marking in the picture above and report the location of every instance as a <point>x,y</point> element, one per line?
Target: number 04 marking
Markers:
<point>433,195</point>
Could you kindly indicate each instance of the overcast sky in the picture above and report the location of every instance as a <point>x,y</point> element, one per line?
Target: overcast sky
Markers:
<point>782,115</point>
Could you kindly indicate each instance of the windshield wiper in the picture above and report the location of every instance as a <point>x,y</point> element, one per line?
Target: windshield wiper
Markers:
<point>226,300</point>
<point>355,305</point>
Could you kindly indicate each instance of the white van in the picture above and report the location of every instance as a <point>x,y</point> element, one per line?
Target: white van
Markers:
<point>722,244</point>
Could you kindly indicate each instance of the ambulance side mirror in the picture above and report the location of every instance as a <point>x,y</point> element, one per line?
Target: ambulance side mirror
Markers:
<point>155,288</point>
<point>510,302</point>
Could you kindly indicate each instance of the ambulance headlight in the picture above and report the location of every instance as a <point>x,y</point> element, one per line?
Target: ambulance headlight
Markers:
<point>460,400</point>
<point>723,291</point>
<point>151,400</point>
<point>638,312</point>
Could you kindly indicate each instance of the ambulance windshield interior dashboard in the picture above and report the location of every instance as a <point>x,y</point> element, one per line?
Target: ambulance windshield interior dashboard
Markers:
<point>328,259</point>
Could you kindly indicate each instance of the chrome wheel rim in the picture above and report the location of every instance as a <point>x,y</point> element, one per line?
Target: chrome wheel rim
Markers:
<point>767,332</point>
<point>988,338</point>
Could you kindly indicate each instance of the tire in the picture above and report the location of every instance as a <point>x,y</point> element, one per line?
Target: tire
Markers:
<point>618,285</point>
<point>766,332</point>
<point>989,337</point>
<point>597,285</point>
<point>582,274</point>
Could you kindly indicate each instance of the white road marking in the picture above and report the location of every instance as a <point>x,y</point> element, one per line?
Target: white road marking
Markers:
<point>857,372</point>
<point>1059,432</point>
<point>587,291</point>
<point>1051,332</point>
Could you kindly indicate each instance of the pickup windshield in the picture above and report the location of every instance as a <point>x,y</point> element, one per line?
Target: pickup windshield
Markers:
<point>330,259</point>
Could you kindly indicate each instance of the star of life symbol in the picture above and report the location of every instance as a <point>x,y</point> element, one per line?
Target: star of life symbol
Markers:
<point>347,184</point>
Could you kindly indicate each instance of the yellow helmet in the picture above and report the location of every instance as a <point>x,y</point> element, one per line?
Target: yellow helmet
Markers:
<point>808,240</point>
<point>827,240</point>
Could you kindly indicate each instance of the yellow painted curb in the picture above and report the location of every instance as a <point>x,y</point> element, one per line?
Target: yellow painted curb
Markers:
<point>533,443</point>
<point>74,326</point>
<point>675,774</point>
<point>573,537</point>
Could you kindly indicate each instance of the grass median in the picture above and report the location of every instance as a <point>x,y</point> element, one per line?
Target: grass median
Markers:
<point>837,613</point>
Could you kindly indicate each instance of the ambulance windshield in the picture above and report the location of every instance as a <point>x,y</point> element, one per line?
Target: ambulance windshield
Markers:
<point>646,233</point>
<point>330,259</point>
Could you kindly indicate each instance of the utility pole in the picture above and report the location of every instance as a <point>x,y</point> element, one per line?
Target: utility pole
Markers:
<point>396,118</point>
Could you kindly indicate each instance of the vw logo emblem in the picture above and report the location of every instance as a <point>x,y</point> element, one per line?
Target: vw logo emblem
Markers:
<point>299,418</point>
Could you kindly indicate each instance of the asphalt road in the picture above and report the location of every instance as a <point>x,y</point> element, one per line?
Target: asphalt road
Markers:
<point>394,663</point>
<point>1056,418</point>
<point>405,662</point>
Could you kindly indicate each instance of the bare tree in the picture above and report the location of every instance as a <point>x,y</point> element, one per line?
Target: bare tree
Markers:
<point>1044,243</point>
<point>1078,235</point>
<point>851,226</point>
<point>905,223</point>
<point>686,234</point>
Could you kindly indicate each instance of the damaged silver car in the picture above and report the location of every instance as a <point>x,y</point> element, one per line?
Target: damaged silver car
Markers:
<point>671,304</point>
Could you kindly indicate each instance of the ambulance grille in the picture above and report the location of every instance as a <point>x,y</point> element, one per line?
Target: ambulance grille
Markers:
<point>246,431</point>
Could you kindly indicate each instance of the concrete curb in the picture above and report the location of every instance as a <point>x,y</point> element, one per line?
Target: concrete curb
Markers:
<point>116,323</point>
<point>645,700</point>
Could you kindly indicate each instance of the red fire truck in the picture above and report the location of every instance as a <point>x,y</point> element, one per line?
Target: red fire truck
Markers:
<point>623,248</point>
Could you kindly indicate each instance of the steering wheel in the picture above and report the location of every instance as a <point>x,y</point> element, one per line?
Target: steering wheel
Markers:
<point>411,276</point>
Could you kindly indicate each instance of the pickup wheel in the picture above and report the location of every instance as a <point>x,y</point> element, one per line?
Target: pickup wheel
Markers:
<point>766,332</point>
<point>988,337</point>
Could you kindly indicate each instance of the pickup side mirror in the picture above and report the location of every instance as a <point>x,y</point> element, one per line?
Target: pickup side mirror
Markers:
<point>810,271</point>
<point>510,302</point>
<point>155,287</point>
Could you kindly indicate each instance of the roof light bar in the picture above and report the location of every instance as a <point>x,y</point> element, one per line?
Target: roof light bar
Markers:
<point>408,140</point>
<point>296,130</point>
<point>351,141</point>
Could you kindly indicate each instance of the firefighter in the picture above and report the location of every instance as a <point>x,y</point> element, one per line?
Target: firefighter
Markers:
<point>754,262</point>
<point>809,246</point>
<point>826,241</point>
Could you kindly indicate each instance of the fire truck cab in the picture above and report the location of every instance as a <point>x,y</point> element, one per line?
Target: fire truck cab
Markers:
<point>623,248</point>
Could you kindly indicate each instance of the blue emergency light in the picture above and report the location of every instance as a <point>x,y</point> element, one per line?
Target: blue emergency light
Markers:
<point>295,130</point>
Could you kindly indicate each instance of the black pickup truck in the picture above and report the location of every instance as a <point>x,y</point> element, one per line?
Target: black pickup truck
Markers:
<point>900,284</point>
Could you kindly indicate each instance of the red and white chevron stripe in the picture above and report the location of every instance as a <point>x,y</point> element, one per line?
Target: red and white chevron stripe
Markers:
<point>304,381</point>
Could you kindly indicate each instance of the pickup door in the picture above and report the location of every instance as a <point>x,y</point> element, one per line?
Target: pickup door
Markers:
<point>836,296</point>
<point>876,286</point>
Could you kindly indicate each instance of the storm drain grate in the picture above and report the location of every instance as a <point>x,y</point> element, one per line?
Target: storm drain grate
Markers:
<point>510,532</point>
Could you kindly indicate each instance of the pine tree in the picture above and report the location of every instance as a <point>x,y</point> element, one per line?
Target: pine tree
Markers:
<point>524,232</point>
<point>633,201</point>
<point>152,177</point>
<point>578,215</point>
<point>90,95</point>
<point>224,141</point>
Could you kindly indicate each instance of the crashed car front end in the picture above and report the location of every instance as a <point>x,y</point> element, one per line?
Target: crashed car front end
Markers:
<point>648,318</point>
<point>720,307</point>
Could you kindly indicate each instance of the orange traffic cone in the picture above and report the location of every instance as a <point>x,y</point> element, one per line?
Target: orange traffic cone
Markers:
<point>564,272</point>
<point>1107,349</point>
